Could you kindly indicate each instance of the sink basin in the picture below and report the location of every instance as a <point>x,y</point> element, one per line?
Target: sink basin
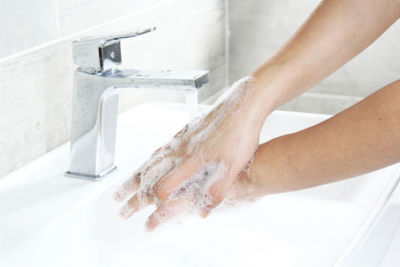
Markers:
<point>48,219</point>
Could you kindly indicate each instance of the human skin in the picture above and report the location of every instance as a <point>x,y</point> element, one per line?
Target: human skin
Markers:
<point>336,32</point>
<point>363,138</point>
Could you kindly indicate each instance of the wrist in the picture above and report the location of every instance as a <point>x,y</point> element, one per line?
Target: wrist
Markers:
<point>276,83</point>
<point>265,96</point>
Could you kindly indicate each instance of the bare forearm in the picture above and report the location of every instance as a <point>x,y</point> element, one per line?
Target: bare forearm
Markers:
<point>335,33</point>
<point>362,138</point>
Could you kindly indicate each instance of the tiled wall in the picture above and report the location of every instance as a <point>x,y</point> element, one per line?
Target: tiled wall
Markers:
<point>36,61</point>
<point>26,24</point>
<point>258,28</point>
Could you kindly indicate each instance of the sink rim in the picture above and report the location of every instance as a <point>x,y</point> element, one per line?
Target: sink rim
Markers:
<point>86,194</point>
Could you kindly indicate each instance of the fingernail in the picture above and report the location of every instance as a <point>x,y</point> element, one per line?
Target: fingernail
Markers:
<point>204,212</point>
<point>126,211</point>
<point>148,226</point>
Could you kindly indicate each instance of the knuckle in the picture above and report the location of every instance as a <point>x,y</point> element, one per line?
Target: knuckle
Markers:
<point>217,199</point>
<point>155,188</point>
<point>161,194</point>
<point>187,153</point>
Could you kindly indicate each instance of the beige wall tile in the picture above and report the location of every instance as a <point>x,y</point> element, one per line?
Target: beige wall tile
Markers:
<point>258,28</point>
<point>78,15</point>
<point>25,24</point>
<point>320,103</point>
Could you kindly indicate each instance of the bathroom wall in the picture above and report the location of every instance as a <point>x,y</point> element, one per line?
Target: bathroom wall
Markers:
<point>258,28</point>
<point>36,60</point>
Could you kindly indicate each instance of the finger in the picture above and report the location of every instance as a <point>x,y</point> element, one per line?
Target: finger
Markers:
<point>134,204</point>
<point>154,168</point>
<point>128,187</point>
<point>218,192</point>
<point>204,212</point>
<point>132,184</point>
<point>166,211</point>
<point>174,179</point>
<point>182,132</point>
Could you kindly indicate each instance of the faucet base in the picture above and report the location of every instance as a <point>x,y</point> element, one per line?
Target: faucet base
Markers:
<point>89,176</point>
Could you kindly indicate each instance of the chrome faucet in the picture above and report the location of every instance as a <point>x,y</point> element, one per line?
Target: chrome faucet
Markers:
<point>95,99</point>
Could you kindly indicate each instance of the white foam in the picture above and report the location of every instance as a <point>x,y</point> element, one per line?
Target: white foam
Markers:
<point>153,173</point>
<point>237,90</point>
<point>196,188</point>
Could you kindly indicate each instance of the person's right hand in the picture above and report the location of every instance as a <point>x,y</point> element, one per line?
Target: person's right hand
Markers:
<point>197,168</point>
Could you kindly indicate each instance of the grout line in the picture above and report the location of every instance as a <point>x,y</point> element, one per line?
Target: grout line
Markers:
<point>333,96</point>
<point>214,96</point>
<point>85,31</point>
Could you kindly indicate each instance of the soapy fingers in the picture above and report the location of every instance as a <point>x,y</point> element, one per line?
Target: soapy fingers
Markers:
<point>167,211</point>
<point>195,170</point>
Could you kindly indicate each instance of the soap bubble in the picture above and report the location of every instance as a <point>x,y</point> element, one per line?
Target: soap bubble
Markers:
<point>194,191</point>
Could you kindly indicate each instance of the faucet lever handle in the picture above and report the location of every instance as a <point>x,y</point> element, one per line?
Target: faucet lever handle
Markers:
<point>98,53</point>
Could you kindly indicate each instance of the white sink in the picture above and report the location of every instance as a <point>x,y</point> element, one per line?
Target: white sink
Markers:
<point>48,219</point>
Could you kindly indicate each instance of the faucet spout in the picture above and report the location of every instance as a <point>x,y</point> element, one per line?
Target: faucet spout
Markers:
<point>95,99</point>
<point>176,79</point>
<point>95,111</point>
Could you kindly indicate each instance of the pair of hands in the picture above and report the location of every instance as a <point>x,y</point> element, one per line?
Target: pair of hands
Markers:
<point>204,163</point>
